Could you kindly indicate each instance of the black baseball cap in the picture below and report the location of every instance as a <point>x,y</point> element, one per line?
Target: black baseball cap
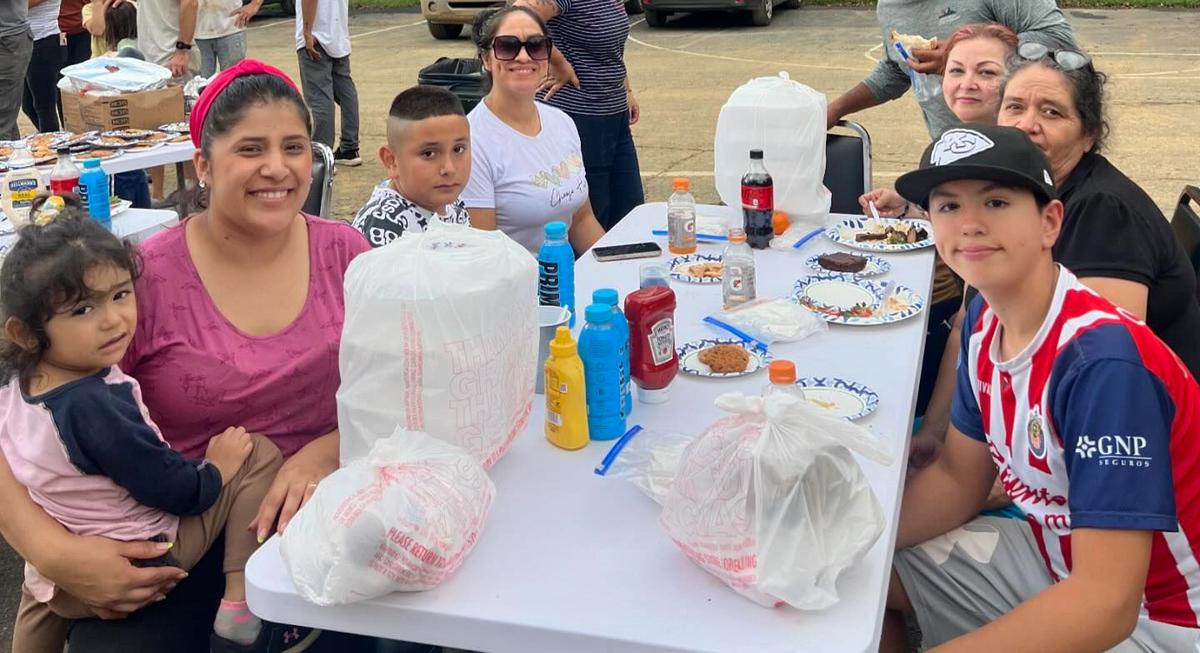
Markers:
<point>984,152</point>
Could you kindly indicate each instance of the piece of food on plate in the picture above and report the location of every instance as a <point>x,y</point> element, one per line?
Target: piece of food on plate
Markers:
<point>155,137</point>
<point>842,262</point>
<point>706,270</point>
<point>182,138</point>
<point>110,141</point>
<point>96,154</point>
<point>725,359</point>
<point>5,151</point>
<point>863,236</point>
<point>912,41</point>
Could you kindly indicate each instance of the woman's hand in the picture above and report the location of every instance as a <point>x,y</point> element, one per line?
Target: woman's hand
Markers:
<point>97,571</point>
<point>888,202</point>
<point>635,111</point>
<point>561,73</point>
<point>243,14</point>
<point>295,483</point>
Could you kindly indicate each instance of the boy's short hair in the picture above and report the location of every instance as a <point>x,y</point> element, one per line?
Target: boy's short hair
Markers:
<point>423,101</point>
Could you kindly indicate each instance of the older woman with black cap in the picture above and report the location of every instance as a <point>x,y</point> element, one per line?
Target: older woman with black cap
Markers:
<point>240,319</point>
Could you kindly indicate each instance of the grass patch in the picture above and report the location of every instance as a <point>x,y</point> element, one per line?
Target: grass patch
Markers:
<point>375,5</point>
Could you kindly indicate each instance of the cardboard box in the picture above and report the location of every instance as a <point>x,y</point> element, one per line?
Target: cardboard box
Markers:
<point>141,110</point>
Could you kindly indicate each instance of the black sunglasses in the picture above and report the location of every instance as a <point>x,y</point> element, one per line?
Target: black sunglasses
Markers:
<point>506,48</point>
<point>1066,59</point>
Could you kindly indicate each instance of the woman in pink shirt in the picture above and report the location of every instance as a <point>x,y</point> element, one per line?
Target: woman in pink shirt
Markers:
<point>241,314</point>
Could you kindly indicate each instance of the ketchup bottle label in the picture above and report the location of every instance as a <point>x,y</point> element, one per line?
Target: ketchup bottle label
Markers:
<point>662,341</point>
<point>759,198</point>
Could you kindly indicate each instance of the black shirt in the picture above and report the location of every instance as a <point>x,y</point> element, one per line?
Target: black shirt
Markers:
<point>1112,229</point>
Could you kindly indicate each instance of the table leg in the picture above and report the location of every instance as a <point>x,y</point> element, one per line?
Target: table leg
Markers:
<point>181,183</point>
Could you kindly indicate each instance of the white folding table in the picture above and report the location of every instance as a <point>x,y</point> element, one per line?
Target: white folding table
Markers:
<point>570,561</point>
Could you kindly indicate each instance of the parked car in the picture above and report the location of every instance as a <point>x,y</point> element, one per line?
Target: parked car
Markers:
<point>761,11</point>
<point>446,18</point>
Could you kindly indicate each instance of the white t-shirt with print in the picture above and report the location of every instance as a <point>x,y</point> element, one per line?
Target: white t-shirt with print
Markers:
<point>388,215</point>
<point>330,28</point>
<point>43,19</point>
<point>213,19</point>
<point>529,180</point>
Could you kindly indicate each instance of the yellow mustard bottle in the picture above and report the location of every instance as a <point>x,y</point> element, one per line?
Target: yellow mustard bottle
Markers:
<point>566,397</point>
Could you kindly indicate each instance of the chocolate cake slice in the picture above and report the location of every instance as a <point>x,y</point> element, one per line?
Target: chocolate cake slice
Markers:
<point>842,262</point>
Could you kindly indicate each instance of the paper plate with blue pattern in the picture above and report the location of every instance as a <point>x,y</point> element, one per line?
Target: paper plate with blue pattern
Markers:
<point>883,235</point>
<point>696,268</point>
<point>843,398</point>
<point>689,358</point>
<point>840,298</point>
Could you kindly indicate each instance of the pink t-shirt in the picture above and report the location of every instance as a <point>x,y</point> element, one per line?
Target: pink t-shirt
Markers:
<point>200,375</point>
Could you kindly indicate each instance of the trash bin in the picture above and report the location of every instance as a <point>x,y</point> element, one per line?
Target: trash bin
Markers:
<point>463,77</point>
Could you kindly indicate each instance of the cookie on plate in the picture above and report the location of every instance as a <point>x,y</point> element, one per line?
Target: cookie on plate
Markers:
<point>726,359</point>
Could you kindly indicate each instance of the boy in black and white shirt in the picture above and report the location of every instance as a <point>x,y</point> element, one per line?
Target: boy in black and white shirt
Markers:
<point>428,160</point>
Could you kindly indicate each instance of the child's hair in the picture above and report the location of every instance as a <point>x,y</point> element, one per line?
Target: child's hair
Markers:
<point>421,102</point>
<point>243,92</point>
<point>45,271</point>
<point>120,22</point>
<point>487,23</point>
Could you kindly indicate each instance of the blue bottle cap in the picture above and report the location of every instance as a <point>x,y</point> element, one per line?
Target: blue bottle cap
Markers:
<point>556,230</point>
<point>605,296</point>
<point>91,163</point>
<point>598,313</point>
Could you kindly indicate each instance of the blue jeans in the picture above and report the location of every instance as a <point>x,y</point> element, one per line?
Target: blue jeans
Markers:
<point>133,186</point>
<point>610,159</point>
<point>223,51</point>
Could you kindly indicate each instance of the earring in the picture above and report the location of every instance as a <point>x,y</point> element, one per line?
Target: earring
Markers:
<point>203,185</point>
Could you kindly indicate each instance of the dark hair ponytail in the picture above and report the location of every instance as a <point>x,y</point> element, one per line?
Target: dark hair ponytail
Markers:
<point>46,270</point>
<point>484,29</point>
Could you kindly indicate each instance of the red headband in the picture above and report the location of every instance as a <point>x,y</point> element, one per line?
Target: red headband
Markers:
<point>221,82</point>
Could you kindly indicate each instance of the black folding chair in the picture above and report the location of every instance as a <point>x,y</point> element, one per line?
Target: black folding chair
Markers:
<point>847,167</point>
<point>320,195</point>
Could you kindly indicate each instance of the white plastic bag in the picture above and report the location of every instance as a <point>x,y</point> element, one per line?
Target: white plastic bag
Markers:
<point>769,320</point>
<point>440,336</point>
<point>772,501</point>
<point>786,120</point>
<point>402,519</point>
<point>648,459</point>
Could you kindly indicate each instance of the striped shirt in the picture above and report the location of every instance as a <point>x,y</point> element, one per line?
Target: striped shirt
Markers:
<point>591,35</point>
<point>1096,424</point>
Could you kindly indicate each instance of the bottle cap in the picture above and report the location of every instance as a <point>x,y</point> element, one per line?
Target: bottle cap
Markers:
<point>563,344</point>
<point>737,235</point>
<point>62,150</point>
<point>648,396</point>
<point>91,163</point>
<point>681,183</point>
<point>605,296</point>
<point>598,313</point>
<point>756,154</point>
<point>782,372</point>
<point>556,230</point>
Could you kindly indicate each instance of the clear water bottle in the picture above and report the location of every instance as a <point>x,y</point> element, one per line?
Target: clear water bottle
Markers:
<point>737,273</point>
<point>681,218</point>
<point>556,269</point>
<point>609,297</point>
<point>600,349</point>
<point>783,379</point>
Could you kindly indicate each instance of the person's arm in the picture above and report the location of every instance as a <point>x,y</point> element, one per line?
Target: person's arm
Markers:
<point>244,13</point>
<point>585,229</point>
<point>94,17</point>
<point>546,9</point>
<point>1108,245</point>
<point>95,570</point>
<point>927,441</point>
<point>187,32</point>
<point>947,493</point>
<point>1129,295</point>
<point>1040,21</point>
<point>308,12</point>
<point>1093,609</point>
<point>483,218</point>
<point>635,110</point>
<point>885,83</point>
<point>295,483</point>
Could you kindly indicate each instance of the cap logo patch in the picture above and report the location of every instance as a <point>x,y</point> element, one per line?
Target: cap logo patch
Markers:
<point>956,144</point>
<point>1046,176</point>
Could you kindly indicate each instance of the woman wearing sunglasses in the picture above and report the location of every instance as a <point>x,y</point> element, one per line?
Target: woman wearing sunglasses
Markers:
<point>527,166</point>
<point>589,81</point>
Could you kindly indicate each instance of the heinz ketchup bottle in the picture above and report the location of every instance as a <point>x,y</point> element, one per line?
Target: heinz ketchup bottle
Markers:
<point>653,361</point>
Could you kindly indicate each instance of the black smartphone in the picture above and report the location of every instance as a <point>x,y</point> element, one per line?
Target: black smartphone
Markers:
<point>625,252</point>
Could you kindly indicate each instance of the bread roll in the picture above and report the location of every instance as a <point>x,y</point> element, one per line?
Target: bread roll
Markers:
<point>912,42</point>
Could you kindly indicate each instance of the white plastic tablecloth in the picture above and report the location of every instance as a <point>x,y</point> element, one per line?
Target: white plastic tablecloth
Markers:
<point>127,161</point>
<point>570,561</point>
<point>134,224</point>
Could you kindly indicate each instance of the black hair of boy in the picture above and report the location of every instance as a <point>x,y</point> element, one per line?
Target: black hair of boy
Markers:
<point>424,101</point>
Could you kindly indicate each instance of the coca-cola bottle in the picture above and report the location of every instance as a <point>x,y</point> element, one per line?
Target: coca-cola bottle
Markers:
<point>758,202</point>
<point>64,179</point>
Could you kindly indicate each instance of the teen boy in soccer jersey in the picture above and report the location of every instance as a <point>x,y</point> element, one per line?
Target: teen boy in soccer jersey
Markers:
<point>1091,422</point>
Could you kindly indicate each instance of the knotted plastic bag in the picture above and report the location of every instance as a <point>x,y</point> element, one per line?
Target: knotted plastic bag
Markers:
<point>401,519</point>
<point>772,501</point>
<point>440,336</point>
<point>786,120</point>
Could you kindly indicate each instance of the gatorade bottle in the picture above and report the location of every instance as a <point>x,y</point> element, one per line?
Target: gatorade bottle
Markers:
<point>608,296</point>
<point>93,191</point>
<point>556,269</point>
<point>566,398</point>
<point>600,349</point>
<point>783,379</point>
<point>681,218</point>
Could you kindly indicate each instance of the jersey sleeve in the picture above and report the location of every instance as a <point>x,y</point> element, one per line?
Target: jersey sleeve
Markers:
<point>1114,419</point>
<point>104,434</point>
<point>1106,239</point>
<point>964,410</point>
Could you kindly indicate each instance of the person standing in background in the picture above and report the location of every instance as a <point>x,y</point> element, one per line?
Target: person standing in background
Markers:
<point>39,99</point>
<point>589,82</point>
<point>323,47</point>
<point>77,41</point>
<point>221,33</point>
<point>1033,20</point>
<point>16,46</point>
<point>166,35</point>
